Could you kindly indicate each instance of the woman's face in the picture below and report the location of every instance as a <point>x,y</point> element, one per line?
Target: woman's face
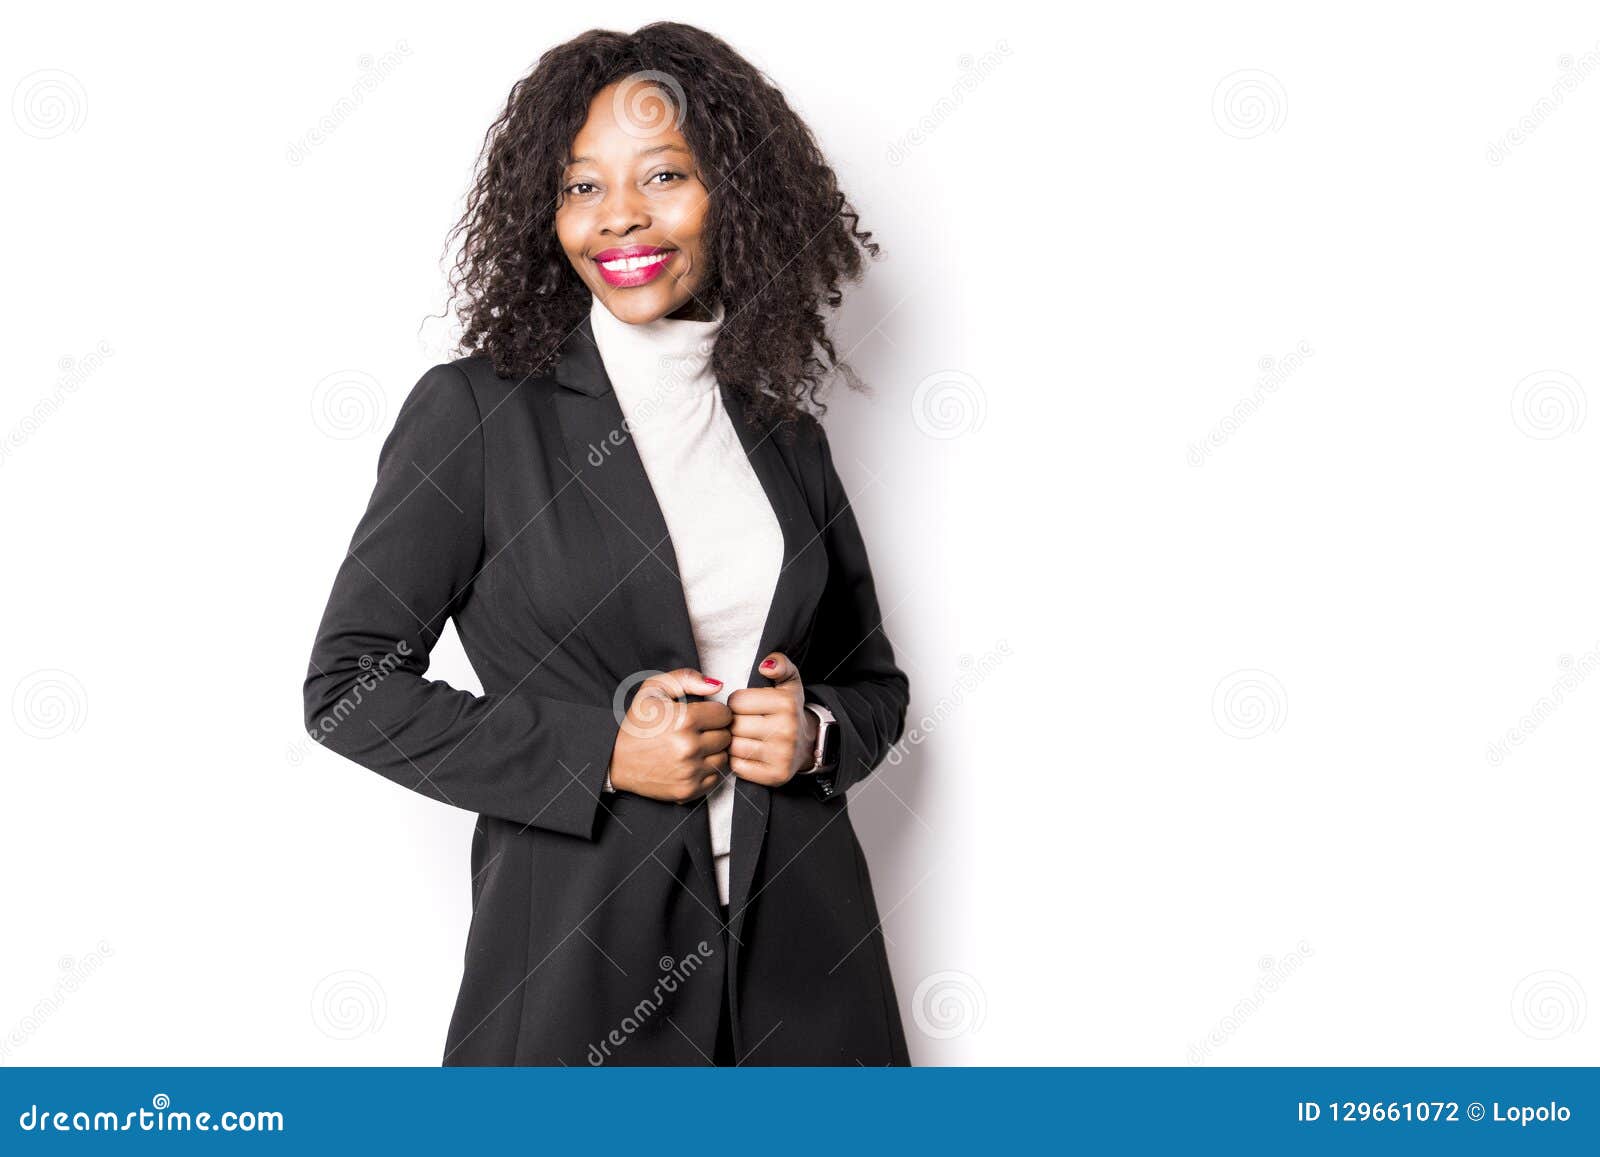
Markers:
<point>632,209</point>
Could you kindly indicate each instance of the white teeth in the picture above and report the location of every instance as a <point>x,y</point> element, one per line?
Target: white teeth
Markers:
<point>628,264</point>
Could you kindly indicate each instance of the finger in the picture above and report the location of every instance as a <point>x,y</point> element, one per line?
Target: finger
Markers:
<point>684,681</point>
<point>753,726</point>
<point>777,667</point>
<point>760,701</point>
<point>754,770</point>
<point>714,741</point>
<point>709,715</point>
<point>703,786</point>
<point>745,748</point>
<point>654,711</point>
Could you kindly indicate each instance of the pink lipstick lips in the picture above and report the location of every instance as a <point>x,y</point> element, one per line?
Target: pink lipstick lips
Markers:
<point>631,265</point>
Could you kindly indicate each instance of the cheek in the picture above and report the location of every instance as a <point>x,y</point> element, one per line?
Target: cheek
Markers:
<point>695,276</point>
<point>569,235</point>
<point>685,225</point>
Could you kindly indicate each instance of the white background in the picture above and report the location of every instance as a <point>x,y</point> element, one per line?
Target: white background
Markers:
<point>1207,777</point>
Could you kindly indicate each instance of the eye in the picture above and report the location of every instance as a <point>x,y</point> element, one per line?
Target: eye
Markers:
<point>667,173</point>
<point>578,185</point>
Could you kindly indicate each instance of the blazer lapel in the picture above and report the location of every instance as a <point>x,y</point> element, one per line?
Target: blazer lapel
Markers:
<point>654,627</point>
<point>795,597</point>
<point>603,460</point>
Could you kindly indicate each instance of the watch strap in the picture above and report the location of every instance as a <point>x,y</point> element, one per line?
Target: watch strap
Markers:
<point>825,723</point>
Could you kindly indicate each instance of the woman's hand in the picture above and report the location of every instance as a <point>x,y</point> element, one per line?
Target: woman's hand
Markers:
<point>668,749</point>
<point>774,736</point>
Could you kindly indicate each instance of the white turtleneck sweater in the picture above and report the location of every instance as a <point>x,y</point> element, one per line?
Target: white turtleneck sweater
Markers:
<point>727,540</point>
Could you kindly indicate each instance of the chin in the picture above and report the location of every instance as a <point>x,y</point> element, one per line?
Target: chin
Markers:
<point>637,307</point>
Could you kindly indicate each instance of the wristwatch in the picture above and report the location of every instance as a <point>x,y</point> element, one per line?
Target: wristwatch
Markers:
<point>825,756</point>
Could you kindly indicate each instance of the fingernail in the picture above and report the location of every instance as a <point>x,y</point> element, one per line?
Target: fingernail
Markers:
<point>713,682</point>
<point>769,663</point>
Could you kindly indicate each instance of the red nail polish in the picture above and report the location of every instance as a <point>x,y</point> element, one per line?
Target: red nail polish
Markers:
<point>768,663</point>
<point>713,682</point>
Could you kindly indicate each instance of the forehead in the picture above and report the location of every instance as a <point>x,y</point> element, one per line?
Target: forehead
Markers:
<point>629,122</point>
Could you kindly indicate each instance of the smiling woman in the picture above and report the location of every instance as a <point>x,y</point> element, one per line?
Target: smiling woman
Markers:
<point>680,643</point>
<point>634,189</point>
<point>622,145</point>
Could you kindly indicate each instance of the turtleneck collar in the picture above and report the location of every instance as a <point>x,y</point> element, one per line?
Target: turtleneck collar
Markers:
<point>661,360</point>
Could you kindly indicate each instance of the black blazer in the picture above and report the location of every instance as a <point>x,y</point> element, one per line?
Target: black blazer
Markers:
<point>522,509</point>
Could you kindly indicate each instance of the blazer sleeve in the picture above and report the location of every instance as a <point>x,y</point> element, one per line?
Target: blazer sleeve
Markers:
<point>522,757</point>
<point>850,667</point>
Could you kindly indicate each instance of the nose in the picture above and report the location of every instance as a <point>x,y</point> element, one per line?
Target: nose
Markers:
<point>622,212</point>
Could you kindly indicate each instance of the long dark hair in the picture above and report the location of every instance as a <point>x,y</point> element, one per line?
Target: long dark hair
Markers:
<point>781,237</point>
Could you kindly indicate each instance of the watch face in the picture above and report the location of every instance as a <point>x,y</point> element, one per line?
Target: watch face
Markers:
<point>829,739</point>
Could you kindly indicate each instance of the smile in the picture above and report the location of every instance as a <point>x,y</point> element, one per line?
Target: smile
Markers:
<point>626,264</point>
<point>633,265</point>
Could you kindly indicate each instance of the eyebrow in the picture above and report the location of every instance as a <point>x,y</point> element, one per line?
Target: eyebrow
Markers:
<point>640,153</point>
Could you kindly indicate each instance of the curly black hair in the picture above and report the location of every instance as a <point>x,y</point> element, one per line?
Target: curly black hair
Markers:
<point>780,235</point>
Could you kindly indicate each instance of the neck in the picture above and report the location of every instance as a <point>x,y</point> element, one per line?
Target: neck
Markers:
<point>663,360</point>
<point>694,310</point>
